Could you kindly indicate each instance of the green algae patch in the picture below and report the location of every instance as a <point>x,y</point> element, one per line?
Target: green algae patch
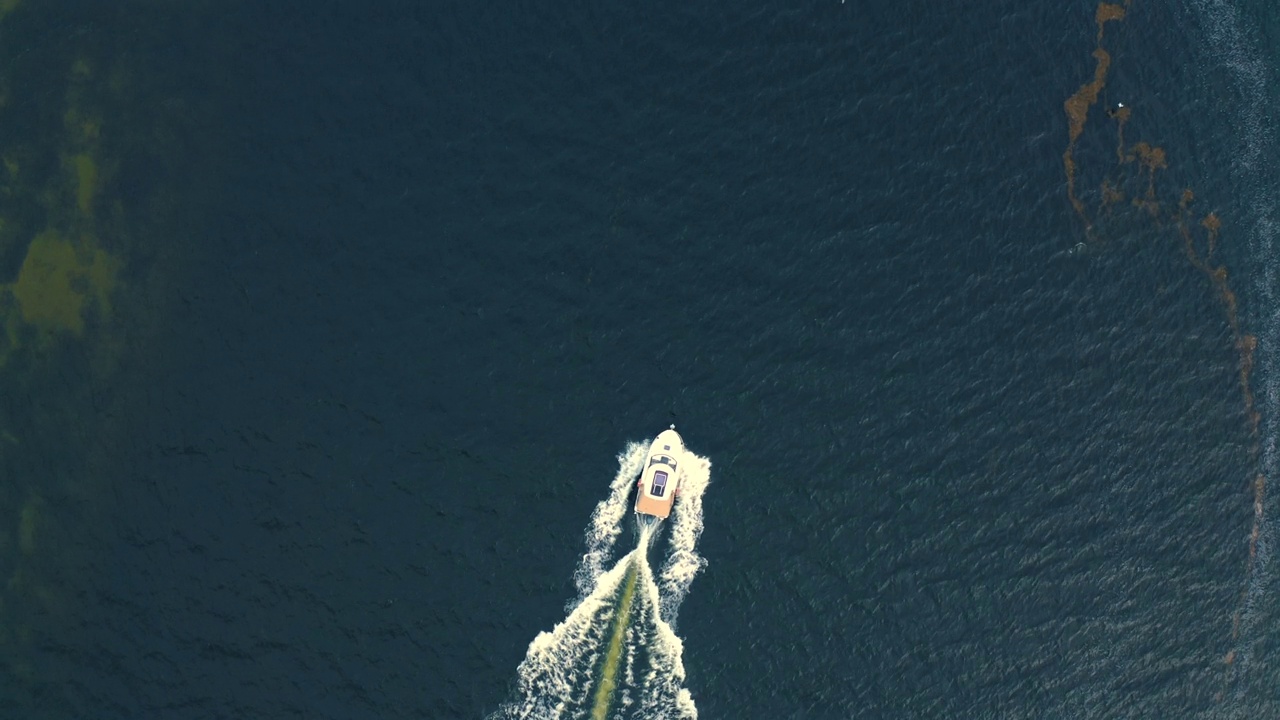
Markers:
<point>28,522</point>
<point>8,6</point>
<point>87,239</point>
<point>9,339</point>
<point>59,282</point>
<point>86,182</point>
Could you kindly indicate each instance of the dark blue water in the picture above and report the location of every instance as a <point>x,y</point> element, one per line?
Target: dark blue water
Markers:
<point>399,283</point>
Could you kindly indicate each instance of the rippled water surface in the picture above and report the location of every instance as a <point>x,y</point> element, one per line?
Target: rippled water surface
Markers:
<point>325,327</point>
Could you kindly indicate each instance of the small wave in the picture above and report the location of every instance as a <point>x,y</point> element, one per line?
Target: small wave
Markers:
<point>1233,46</point>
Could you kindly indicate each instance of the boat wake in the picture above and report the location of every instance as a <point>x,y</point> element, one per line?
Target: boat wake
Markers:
<point>616,654</point>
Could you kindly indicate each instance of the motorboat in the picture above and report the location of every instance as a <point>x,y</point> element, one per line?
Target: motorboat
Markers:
<point>659,482</point>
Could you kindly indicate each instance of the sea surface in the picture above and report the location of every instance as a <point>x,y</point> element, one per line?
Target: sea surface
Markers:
<point>329,327</point>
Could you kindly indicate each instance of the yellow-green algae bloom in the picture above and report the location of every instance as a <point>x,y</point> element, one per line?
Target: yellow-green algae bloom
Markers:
<point>66,275</point>
<point>58,281</point>
<point>7,6</point>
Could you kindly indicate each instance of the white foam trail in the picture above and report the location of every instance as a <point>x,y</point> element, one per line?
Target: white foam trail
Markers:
<point>606,522</point>
<point>558,675</point>
<point>1233,47</point>
<point>684,563</point>
<point>662,693</point>
<point>627,698</point>
<point>556,672</point>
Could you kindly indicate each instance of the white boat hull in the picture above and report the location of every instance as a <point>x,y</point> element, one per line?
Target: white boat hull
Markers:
<point>659,482</point>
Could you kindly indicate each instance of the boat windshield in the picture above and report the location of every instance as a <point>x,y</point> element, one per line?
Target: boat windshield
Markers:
<point>662,460</point>
<point>659,484</point>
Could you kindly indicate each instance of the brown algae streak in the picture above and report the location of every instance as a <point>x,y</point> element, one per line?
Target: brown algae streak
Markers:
<point>1077,106</point>
<point>1199,241</point>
